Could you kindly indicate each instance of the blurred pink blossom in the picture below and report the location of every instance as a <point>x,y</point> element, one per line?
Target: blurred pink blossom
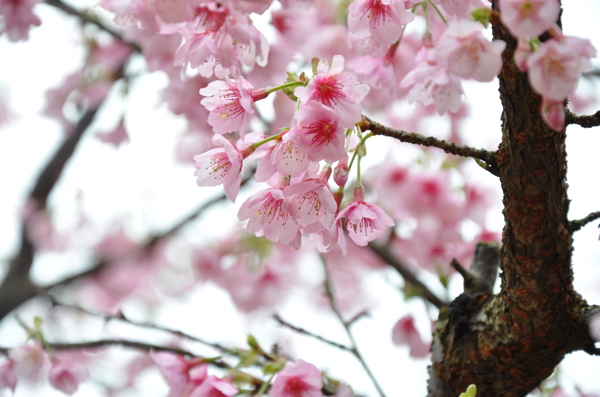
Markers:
<point>297,378</point>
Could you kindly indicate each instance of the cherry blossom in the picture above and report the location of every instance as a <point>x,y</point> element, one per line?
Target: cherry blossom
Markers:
<point>115,137</point>
<point>405,333</point>
<point>28,360</point>
<point>222,166</point>
<point>553,113</point>
<point>378,20</point>
<point>312,200</point>
<point>529,18</point>
<point>297,378</point>
<point>268,214</point>
<point>431,83</point>
<point>67,372</point>
<point>318,131</point>
<point>230,105</point>
<point>214,387</point>
<point>285,158</point>
<point>8,376</point>
<point>464,51</point>
<point>364,221</point>
<point>16,17</point>
<point>337,90</point>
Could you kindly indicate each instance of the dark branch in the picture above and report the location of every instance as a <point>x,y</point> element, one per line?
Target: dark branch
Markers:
<point>579,223</point>
<point>308,333</point>
<point>84,17</point>
<point>392,260</point>
<point>589,121</point>
<point>410,137</point>
<point>16,287</point>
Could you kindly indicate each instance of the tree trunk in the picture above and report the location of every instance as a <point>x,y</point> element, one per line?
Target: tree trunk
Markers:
<point>506,344</point>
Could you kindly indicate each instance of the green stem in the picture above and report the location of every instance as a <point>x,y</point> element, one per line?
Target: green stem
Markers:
<point>285,85</point>
<point>438,12</point>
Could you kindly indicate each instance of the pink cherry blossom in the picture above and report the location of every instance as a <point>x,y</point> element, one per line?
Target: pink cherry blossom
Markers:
<point>464,51</point>
<point>16,17</point>
<point>230,105</point>
<point>28,360</point>
<point>337,90</point>
<point>222,166</point>
<point>181,375</point>
<point>115,137</point>
<point>318,131</point>
<point>405,333</point>
<point>268,214</point>
<point>297,378</point>
<point>214,387</point>
<point>378,20</point>
<point>312,200</point>
<point>67,372</point>
<point>529,18</point>
<point>553,113</point>
<point>8,376</point>
<point>431,83</point>
<point>364,221</point>
<point>378,73</point>
<point>285,158</point>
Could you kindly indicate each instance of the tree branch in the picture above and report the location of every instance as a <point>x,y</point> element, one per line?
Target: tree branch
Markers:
<point>589,121</point>
<point>308,333</point>
<point>86,18</point>
<point>338,314</point>
<point>410,137</point>
<point>392,260</point>
<point>579,223</point>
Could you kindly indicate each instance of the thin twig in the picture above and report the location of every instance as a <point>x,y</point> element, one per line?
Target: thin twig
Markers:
<point>392,260</point>
<point>579,223</point>
<point>312,335</point>
<point>354,347</point>
<point>410,137</point>
<point>123,318</point>
<point>588,121</point>
<point>85,17</point>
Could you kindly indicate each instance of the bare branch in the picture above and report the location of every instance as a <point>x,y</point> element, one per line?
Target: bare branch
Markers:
<point>410,137</point>
<point>579,223</point>
<point>56,302</point>
<point>589,121</point>
<point>392,260</point>
<point>87,18</point>
<point>338,314</point>
<point>312,335</point>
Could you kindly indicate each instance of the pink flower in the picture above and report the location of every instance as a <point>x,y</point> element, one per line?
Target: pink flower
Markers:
<point>285,157</point>
<point>8,376</point>
<point>405,333</point>
<point>16,17</point>
<point>28,360</point>
<point>464,51</point>
<point>66,373</point>
<point>553,113</point>
<point>230,105</point>
<point>364,221</point>
<point>377,20</point>
<point>297,379</point>
<point>529,18</point>
<point>222,166</point>
<point>181,375</point>
<point>116,137</point>
<point>336,90</point>
<point>268,214</point>
<point>312,200</point>
<point>554,69</point>
<point>214,387</point>
<point>318,132</point>
<point>430,83</point>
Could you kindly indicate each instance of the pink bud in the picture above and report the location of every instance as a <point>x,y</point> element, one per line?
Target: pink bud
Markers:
<point>340,173</point>
<point>553,113</point>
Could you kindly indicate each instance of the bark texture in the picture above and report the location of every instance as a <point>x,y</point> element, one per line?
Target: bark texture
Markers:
<point>506,344</point>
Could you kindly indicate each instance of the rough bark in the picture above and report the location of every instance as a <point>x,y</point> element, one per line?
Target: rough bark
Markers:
<point>508,343</point>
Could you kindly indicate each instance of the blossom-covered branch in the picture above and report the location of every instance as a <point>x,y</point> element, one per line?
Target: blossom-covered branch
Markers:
<point>588,121</point>
<point>448,147</point>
